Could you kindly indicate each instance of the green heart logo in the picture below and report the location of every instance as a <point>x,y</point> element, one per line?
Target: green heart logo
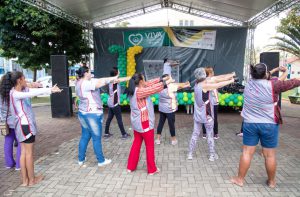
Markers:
<point>135,39</point>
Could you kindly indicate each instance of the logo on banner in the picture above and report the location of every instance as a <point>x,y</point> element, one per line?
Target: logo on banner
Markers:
<point>135,39</point>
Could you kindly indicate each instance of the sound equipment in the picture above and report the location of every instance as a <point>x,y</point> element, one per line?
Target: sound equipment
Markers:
<point>271,59</point>
<point>60,73</point>
<point>61,103</point>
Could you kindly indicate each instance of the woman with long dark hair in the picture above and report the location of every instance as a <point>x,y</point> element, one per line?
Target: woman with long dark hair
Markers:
<point>143,118</point>
<point>25,124</point>
<point>6,116</point>
<point>90,113</point>
<point>261,119</point>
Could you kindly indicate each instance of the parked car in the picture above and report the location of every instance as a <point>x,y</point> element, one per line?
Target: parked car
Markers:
<point>45,81</point>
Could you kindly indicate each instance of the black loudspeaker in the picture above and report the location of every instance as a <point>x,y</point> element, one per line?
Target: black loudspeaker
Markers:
<point>59,67</point>
<point>61,103</point>
<point>271,59</point>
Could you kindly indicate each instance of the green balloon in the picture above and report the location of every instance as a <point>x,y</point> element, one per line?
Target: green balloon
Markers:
<point>240,98</point>
<point>222,103</point>
<point>239,104</point>
<point>189,102</point>
<point>181,102</point>
<point>189,95</point>
<point>231,103</point>
<point>235,101</point>
<point>227,100</point>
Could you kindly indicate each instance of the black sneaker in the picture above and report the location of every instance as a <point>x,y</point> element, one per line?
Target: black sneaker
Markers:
<point>16,143</point>
<point>125,136</point>
<point>204,136</point>
<point>216,136</point>
<point>107,135</point>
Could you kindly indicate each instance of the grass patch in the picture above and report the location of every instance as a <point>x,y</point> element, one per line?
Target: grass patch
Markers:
<point>36,100</point>
<point>285,95</point>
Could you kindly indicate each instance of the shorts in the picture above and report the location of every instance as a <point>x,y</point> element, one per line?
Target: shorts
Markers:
<point>266,133</point>
<point>26,131</point>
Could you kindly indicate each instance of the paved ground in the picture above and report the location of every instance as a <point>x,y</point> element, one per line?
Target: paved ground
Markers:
<point>56,156</point>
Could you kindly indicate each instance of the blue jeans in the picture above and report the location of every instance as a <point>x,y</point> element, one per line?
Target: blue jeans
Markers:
<point>91,125</point>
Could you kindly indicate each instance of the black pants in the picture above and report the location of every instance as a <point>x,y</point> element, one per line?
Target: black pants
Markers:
<point>171,121</point>
<point>117,112</point>
<point>216,127</point>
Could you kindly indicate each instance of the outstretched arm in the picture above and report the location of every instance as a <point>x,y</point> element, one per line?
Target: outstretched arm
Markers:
<point>183,85</point>
<point>123,79</point>
<point>213,86</point>
<point>220,78</point>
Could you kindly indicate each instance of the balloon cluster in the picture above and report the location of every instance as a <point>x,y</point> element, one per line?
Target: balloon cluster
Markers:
<point>185,98</point>
<point>131,64</point>
<point>122,60</point>
<point>104,98</point>
<point>232,100</point>
<point>155,99</point>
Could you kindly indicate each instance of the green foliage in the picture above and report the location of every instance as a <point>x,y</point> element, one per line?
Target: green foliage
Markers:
<point>290,29</point>
<point>32,35</point>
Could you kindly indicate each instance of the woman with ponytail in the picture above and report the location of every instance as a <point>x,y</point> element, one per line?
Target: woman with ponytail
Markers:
<point>90,113</point>
<point>24,122</point>
<point>6,116</point>
<point>143,119</point>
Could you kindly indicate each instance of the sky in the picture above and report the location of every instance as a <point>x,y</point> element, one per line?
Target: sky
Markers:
<point>163,17</point>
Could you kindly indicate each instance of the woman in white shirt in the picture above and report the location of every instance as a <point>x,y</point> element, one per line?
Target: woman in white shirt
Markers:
<point>90,113</point>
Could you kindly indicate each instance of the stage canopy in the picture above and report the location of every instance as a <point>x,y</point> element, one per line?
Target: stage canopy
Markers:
<point>103,12</point>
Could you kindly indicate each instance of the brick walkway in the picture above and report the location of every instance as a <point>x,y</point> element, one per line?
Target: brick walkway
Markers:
<point>56,150</point>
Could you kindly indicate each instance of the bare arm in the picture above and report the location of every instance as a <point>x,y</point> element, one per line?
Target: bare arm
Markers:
<point>119,80</point>
<point>213,86</point>
<point>183,85</point>
<point>284,74</point>
<point>274,70</point>
<point>221,78</point>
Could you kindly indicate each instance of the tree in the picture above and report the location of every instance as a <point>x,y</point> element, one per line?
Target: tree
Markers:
<point>289,27</point>
<point>32,35</point>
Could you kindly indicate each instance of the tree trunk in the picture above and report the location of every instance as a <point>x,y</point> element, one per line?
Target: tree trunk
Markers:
<point>34,74</point>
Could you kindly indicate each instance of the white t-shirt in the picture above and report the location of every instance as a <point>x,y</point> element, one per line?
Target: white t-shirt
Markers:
<point>167,68</point>
<point>86,87</point>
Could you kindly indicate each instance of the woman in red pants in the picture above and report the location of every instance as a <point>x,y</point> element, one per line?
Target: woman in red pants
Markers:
<point>142,118</point>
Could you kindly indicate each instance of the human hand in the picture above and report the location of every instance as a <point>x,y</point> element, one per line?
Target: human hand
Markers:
<point>166,78</point>
<point>282,68</point>
<point>55,89</point>
<point>187,84</point>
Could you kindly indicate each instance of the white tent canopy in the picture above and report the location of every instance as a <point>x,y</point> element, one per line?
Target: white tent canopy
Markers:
<point>235,12</point>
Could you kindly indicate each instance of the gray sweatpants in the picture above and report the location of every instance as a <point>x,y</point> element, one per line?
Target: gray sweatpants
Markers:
<point>196,134</point>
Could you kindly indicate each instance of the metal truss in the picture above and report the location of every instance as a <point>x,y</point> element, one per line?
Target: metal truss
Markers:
<point>249,53</point>
<point>274,9</point>
<point>52,9</point>
<point>128,15</point>
<point>205,14</point>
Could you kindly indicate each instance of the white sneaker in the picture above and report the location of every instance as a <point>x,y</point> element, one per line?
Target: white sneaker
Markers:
<point>190,156</point>
<point>213,157</point>
<point>174,142</point>
<point>129,171</point>
<point>157,142</point>
<point>157,171</point>
<point>106,162</point>
<point>17,169</point>
<point>82,162</point>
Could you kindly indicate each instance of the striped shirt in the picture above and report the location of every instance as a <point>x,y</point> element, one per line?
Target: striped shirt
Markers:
<point>151,87</point>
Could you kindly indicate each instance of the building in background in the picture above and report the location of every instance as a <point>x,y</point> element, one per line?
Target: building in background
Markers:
<point>11,65</point>
<point>294,62</point>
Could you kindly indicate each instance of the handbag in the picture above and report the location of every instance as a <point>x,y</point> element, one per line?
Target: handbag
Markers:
<point>4,128</point>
